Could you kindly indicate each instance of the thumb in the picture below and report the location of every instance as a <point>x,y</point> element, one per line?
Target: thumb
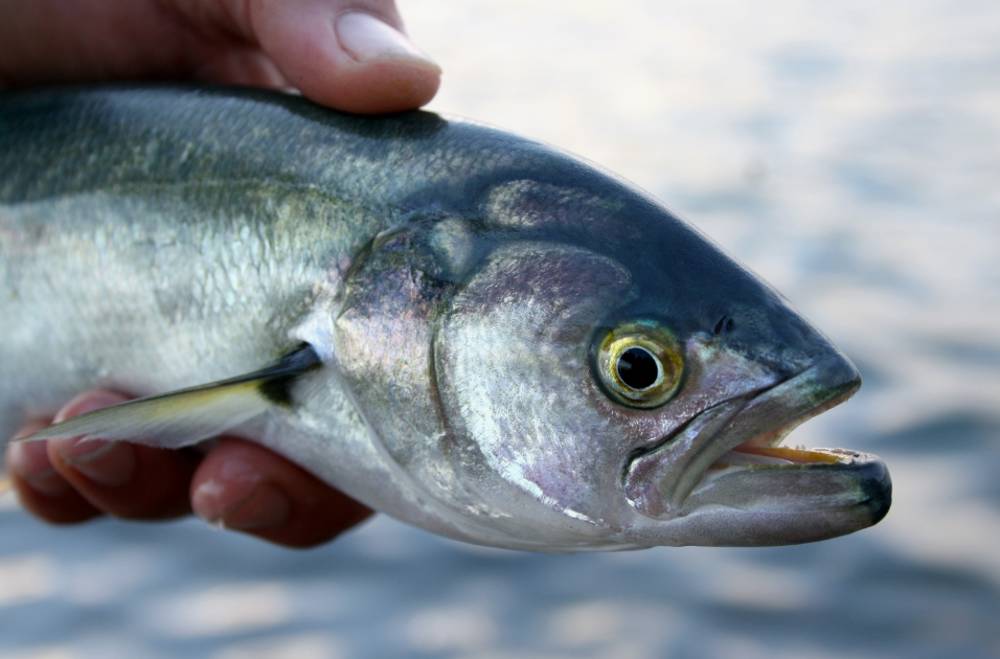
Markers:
<point>353,56</point>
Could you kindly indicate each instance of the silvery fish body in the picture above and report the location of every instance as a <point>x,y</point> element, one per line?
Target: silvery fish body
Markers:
<point>512,348</point>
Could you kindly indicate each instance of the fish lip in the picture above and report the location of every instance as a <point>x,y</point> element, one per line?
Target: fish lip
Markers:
<point>757,419</point>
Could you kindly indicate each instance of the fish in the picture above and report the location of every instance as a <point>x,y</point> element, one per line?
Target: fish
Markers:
<point>470,331</point>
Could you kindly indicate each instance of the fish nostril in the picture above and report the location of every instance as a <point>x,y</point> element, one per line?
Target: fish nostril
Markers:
<point>725,325</point>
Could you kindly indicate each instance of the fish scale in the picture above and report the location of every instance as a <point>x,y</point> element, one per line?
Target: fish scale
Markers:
<point>412,308</point>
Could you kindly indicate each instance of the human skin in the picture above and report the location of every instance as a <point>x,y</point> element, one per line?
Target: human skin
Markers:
<point>349,55</point>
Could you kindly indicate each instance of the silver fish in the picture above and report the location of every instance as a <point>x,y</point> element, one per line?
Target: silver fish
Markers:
<point>461,328</point>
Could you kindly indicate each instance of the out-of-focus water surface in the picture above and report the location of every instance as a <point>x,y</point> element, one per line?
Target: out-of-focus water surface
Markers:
<point>850,153</point>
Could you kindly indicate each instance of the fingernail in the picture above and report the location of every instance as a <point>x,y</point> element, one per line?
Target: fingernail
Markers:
<point>106,463</point>
<point>365,37</point>
<point>30,461</point>
<point>263,507</point>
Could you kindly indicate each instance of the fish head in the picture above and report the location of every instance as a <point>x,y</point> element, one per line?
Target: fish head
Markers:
<point>613,379</point>
<point>563,364</point>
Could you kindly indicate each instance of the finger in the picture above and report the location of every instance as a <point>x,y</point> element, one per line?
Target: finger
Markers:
<point>242,66</point>
<point>121,479</point>
<point>349,54</point>
<point>41,490</point>
<point>352,56</point>
<point>245,487</point>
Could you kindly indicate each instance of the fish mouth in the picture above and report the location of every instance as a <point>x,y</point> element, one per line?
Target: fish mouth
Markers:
<point>730,455</point>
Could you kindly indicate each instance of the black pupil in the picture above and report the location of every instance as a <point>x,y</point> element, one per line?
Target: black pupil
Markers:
<point>637,368</point>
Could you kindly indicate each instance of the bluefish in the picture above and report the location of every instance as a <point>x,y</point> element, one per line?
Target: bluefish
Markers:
<point>464,329</point>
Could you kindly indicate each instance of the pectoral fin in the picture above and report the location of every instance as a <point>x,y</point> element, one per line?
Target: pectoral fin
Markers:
<point>190,415</point>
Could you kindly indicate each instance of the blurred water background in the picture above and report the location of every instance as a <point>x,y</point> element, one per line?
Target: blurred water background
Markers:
<point>850,153</point>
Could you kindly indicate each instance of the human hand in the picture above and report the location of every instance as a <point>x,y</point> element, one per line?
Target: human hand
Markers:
<point>235,484</point>
<point>349,55</point>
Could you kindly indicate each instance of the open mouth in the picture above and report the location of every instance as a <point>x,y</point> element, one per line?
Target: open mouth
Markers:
<point>765,447</point>
<point>731,454</point>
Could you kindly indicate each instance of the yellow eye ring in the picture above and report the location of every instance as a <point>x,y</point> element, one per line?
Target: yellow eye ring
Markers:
<point>640,364</point>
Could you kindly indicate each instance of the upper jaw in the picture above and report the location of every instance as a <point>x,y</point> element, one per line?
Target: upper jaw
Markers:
<point>737,435</point>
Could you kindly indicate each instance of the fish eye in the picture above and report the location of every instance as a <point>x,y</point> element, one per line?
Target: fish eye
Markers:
<point>638,368</point>
<point>640,364</point>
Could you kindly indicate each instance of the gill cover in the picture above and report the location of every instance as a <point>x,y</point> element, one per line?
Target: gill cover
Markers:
<point>469,353</point>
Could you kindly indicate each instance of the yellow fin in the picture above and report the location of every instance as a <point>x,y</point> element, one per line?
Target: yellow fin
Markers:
<point>189,416</point>
<point>5,485</point>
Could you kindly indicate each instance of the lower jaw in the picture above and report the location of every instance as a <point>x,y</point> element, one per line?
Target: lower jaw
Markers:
<point>812,482</point>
